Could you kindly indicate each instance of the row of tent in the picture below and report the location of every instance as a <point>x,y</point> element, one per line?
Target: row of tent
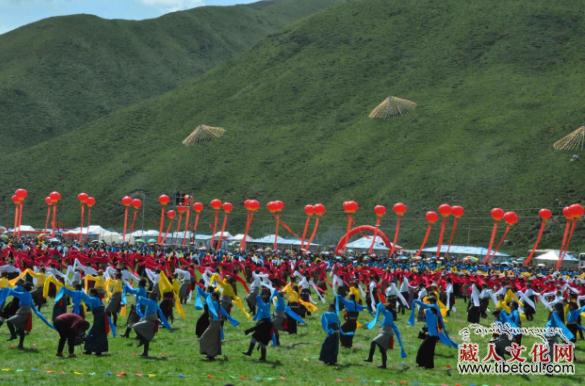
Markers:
<point>362,244</point>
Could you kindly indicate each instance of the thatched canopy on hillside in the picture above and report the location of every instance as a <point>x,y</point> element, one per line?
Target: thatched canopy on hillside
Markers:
<point>392,106</point>
<point>203,133</point>
<point>573,141</point>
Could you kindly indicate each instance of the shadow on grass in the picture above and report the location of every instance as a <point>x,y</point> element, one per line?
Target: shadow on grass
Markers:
<point>28,350</point>
<point>156,359</point>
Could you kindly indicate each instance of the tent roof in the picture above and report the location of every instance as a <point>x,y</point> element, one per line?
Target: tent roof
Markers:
<point>240,237</point>
<point>269,239</point>
<point>365,242</point>
<point>464,250</point>
<point>553,255</point>
<point>392,106</point>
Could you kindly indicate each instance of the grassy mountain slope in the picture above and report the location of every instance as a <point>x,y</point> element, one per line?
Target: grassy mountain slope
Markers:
<point>63,72</point>
<point>496,83</point>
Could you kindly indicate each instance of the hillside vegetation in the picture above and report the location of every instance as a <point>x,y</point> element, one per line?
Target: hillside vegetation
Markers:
<point>60,73</point>
<point>496,84</point>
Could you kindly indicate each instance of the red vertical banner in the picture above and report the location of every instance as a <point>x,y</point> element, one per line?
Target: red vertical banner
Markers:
<point>379,211</point>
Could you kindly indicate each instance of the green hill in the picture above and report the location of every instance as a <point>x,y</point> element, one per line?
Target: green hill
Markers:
<point>62,72</point>
<point>496,84</point>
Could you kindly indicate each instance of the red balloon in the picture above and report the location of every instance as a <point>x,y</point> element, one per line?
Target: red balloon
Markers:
<point>320,209</point>
<point>90,201</point>
<point>380,210</point>
<point>252,205</point>
<point>545,214</point>
<point>309,210</point>
<point>126,200</point>
<point>457,211</point>
<point>497,214</point>
<point>215,204</point>
<point>136,203</point>
<point>48,200</point>
<point>198,207</point>
<point>21,193</point>
<point>228,207</point>
<point>279,205</point>
<point>350,207</point>
<point>400,209</point>
<point>181,209</point>
<point>171,214</point>
<point>15,199</point>
<point>432,217</point>
<point>511,218</point>
<point>82,197</point>
<point>567,212</point>
<point>55,196</point>
<point>164,200</point>
<point>445,210</point>
<point>577,210</point>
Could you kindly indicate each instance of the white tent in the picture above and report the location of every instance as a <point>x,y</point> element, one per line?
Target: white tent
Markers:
<point>269,239</point>
<point>24,229</point>
<point>366,242</point>
<point>101,233</point>
<point>143,234</point>
<point>240,237</point>
<point>553,255</point>
<point>466,250</point>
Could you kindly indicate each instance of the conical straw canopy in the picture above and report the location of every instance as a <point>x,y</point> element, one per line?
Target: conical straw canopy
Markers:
<point>392,106</point>
<point>203,133</point>
<point>573,141</point>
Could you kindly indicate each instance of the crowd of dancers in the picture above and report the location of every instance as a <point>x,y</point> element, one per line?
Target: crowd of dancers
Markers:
<point>277,291</point>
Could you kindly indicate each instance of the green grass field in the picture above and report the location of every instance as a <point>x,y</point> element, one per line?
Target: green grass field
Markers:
<point>176,360</point>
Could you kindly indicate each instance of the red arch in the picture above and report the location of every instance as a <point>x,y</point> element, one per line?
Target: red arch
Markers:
<point>361,229</point>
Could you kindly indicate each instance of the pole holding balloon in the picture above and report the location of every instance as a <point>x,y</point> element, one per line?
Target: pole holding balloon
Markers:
<point>136,204</point>
<point>82,198</point>
<point>251,206</point>
<point>126,202</point>
<point>399,210</point>
<point>379,211</point>
<point>511,219</point>
<point>545,215</point>
<point>309,212</point>
<point>431,217</point>
<point>49,203</point>
<point>320,211</point>
<point>163,200</point>
<point>55,198</point>
<point>181,209</point>
<point>187,203</point>
<point>275,207</point>
<point>227,209</point>
<point>171,214</point>
<point>198,208</point>
<point>573,213</point>
<point>215,204</point>
<point>457,211</point>
<point>90,204</point>
<point>350,208</point>
<point>445,210</point>
<point>497,216</point>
